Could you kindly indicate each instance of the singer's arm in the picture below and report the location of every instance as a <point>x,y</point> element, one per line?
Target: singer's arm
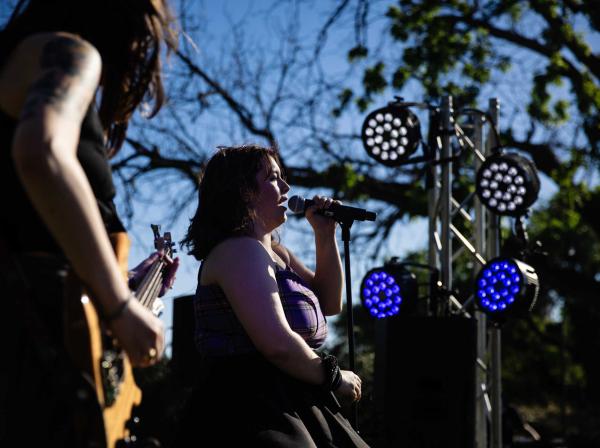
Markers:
<point>244,270</point>
<point>327,280</point>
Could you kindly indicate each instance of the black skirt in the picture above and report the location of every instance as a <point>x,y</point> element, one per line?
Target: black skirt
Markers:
<point>247,401</point>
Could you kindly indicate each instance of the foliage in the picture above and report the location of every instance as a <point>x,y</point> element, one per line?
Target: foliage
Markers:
<point>542,52</point>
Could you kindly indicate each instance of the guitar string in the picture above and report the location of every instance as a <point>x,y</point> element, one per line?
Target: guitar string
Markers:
<point>156,284</point>
<point>144,291</point>
<point>154,287</point>
<point>149,287</point>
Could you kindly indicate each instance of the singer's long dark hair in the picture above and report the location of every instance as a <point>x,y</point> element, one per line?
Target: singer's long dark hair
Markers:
<point>225,194</point>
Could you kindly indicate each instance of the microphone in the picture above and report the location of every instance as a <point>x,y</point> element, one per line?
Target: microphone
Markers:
<point>337,212</point>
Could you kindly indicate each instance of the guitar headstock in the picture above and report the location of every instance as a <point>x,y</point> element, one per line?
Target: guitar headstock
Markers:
<point>163,243</point>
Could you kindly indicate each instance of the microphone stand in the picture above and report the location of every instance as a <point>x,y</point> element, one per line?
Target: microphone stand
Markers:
<point>345,225</point>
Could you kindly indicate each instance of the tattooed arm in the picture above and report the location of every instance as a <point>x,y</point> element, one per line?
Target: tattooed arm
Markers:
<point>63,82</point>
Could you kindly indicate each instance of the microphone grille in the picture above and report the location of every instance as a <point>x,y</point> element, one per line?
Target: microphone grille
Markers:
<point>296,204</point>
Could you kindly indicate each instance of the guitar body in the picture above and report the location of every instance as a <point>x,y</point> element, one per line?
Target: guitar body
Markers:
<point>117,392</point>
<point>120,413</point>
<point>99,360</point>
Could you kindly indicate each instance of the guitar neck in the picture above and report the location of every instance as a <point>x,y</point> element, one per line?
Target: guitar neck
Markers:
<point>150,286</point>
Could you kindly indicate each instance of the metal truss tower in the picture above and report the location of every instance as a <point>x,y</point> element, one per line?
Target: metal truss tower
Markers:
<point>480,237</point>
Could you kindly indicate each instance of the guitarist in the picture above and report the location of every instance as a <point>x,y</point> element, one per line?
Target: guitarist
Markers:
<point>57,57</point>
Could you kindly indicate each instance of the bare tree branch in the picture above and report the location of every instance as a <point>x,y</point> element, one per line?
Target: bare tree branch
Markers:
<point>245,116</point>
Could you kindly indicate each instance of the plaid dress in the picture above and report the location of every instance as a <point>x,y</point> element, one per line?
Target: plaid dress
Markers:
<point>241,399</point>
<point>220,333</point>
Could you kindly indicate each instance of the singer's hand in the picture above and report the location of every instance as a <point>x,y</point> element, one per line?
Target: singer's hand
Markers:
<point>351,387</point>
<point>321,224</point>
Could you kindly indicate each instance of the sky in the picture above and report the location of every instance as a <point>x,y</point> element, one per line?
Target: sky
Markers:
<point>263,24</point>
<point>261,21</point>
<point>406,237</point>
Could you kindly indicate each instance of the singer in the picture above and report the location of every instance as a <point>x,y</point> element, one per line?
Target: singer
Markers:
<point>260,314</point>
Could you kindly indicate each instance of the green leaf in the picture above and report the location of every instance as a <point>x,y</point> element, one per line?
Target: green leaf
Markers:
<point>358,52</point>
<point>373,80</point>
<point>400,77</point>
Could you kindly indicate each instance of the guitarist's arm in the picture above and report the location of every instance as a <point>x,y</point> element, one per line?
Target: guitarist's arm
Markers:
<point>121,244</point>
<point>58,86</point>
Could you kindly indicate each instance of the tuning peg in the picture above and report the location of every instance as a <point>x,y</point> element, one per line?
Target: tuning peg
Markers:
<point>156,230</point>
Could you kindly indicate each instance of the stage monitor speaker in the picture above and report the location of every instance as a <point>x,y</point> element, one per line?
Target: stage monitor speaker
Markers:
<point>425,382</point>
<point>185,360</point>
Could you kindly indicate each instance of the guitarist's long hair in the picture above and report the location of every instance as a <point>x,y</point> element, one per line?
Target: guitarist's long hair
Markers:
<point>128,34</point>
<point>227,189</point>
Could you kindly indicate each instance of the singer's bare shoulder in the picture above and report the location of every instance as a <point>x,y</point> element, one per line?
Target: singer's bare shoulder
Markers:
<point>233,245</point>
<point>237,256</point>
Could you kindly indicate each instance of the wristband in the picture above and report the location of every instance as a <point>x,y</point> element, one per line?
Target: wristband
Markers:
<point>337,381</point>
<point>333,375</point>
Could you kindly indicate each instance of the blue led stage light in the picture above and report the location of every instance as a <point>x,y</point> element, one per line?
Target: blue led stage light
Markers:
<point>506,286</point>
<point>387,291</point>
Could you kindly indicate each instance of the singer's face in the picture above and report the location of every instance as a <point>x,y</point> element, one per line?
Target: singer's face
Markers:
<point>272,189</point>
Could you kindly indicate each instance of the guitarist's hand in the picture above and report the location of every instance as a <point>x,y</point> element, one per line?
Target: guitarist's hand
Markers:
<point>140,334</point>
<point>137,274</point>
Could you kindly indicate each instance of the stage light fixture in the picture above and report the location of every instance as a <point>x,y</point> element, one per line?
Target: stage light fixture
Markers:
<point>507,184</point>
<point>391,134</point>
<point>387,291</point>
<point>506,286</point>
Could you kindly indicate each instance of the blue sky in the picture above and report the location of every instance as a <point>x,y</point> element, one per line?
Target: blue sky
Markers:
<point>263,20</point>
<point>264,25</point>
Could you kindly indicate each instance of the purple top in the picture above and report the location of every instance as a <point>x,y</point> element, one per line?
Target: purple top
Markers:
<point>220,333</point>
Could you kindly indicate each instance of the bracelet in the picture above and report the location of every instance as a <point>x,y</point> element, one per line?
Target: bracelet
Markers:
<point>120,310</point>
<point>333,374</point>
<point>337,381</point>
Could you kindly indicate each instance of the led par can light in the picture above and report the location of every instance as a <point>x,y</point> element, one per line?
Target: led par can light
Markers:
<point>507,184</point>
<point>389,291</point>
<point>391,134</point>
<point>505,287</point>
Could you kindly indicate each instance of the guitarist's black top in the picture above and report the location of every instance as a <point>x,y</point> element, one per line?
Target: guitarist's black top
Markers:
<point>20,223</point>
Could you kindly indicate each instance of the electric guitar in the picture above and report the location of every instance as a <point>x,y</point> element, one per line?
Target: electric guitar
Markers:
<point>98,356</point>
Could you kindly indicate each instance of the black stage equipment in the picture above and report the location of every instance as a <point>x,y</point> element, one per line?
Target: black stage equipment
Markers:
<point>425,381</point>
<point>185,359</point>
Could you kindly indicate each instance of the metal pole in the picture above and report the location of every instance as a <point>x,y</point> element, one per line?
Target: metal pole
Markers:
<point>446,196</point>
<point>480,246</point>
<point>493,248</point>
<point>432,198</point>
<point>349,311</point>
